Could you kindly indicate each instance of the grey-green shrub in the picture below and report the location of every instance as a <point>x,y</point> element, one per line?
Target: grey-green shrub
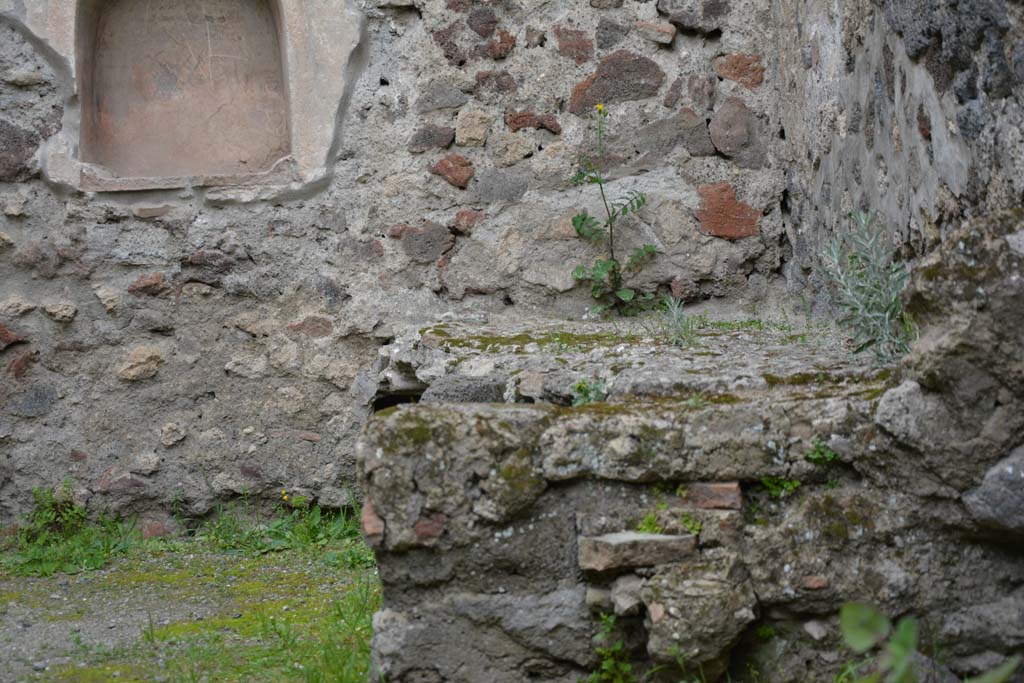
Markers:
<point>866,282</point>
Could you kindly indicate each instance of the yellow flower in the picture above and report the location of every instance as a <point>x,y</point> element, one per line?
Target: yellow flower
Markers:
<point>599,108</point>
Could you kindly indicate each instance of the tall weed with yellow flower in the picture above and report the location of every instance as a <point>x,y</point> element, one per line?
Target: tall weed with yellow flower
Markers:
<point>607,276</point>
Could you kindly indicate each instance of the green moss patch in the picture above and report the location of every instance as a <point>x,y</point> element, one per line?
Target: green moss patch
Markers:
<point>560,340</point>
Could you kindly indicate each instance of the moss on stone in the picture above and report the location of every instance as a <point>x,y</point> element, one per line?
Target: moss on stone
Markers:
<point>519,476</point>
<point>411,429</point>
<point>835,520</point>
<point>824,377</point>
<point>562,339</point>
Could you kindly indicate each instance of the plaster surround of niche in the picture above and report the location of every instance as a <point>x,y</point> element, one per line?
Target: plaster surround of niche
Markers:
<point>298,112</point>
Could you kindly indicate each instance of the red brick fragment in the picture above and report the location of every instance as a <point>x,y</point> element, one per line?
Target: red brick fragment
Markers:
<point>20,365</point>
<point>315,326</point>
<point>815,582</point>
<point>497,81</point>
<point>501,47</point>
<point>466,220</point>
<point>924,123</point>
<point>448,40</point>
<point>745,69</point>
<point>722,215</point>
<point>373,526</point>
<point>517,120</point>
<point>715,496</point>
<point>395,232</point>
<point>456,169</point>
<point>9,337</point>
<point>574,44</point>
<point>152,284</point>
<point>429,529</point>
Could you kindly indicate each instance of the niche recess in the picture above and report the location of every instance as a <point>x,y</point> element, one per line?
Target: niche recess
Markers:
<point>182,88</point>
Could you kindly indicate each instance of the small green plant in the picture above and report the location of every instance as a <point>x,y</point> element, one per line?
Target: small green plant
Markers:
<point>820,454</point>
<point>864,629</point>
<point>585,392</point>
<point>607,276</point>
<point>344,655</point>
<point>696,402</point>
<point>680,329</point>
<point>866,282</point>
<point>231,531</point>
<point>276,631</point>
<point>615,666</point>
<point>753,514</point>
<point>57,536</point>
<point>765,632</point>
<point>779,487</point>
<point>302,527</point>
<point>149,631</point>
<point>689,676</point>
<point>690,523</point>
<point>649,524</point>
<point>849,672</point>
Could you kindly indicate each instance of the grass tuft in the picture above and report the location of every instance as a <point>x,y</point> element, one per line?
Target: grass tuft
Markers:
<point>57,536</point>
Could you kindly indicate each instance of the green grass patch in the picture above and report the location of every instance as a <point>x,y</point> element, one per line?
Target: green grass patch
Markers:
<point>295,526</point>
<point>285,598</point>
<point>320,633</point>
<point>58,536</point>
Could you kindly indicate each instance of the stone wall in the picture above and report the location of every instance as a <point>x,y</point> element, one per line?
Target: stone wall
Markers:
<point>917,116</point>
<point>509,529</point>
<point>170,343</point>
<point>170,348</point>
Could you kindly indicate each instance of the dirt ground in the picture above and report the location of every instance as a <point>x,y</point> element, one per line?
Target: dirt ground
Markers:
<point>183,616</point>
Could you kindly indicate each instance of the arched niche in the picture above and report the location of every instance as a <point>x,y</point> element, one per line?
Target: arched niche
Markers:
<point>182,88</point>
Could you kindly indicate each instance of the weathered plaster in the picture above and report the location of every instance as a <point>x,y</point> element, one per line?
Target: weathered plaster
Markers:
<point>318,38</point>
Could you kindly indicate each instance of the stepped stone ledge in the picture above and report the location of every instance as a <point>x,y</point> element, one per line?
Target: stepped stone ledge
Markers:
<point>508,520</point>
